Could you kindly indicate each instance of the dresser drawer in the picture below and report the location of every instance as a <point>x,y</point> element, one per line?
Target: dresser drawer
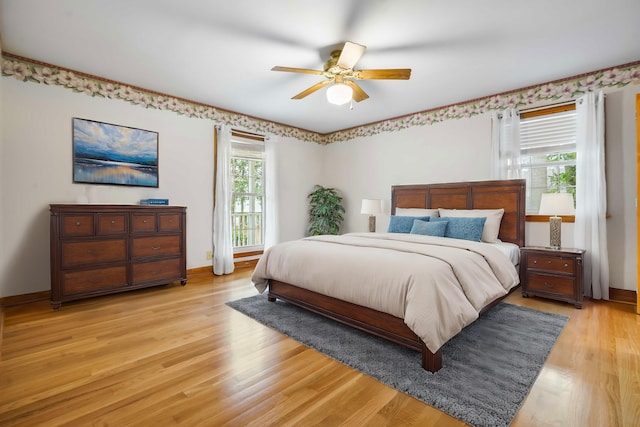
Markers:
<point>77,225</point>
<point>156,246</point>
<point>550,263</point>
<point>93,252</point>
<point>550,284</point>
<point>157,270</point>
<point>143,223</point>
<point>169,222</point>
<point>74,282</point>
<point>112,224</point>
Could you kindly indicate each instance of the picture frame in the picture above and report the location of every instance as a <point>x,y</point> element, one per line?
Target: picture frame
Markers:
<point>104,153</point>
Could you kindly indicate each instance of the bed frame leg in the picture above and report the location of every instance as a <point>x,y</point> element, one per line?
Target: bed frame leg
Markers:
<point>430,361</point>
<point>271,298</point>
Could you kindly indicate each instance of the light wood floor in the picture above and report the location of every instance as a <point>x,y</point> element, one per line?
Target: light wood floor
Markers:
<point>178,355</point>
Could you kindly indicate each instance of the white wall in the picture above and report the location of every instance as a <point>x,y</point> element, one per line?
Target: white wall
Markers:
<point>36,170</point>
<point>300,167</point>
<point>458,150</point>
<point>2,257</point>
<point>367,167</point>
<point>621,167</point>
<point>36,156</point>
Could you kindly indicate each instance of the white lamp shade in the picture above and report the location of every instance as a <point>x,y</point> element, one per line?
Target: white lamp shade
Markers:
<point>339,94</point>
<point>557,204</point>
<point>371,206</point>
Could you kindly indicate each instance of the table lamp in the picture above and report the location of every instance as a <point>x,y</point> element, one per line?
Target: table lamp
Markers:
<point>371,207</point>
<point>556,204</point>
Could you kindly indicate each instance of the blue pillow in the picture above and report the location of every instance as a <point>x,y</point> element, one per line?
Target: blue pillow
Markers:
<point>403,224</point>
<point>429,228</point>
<point>467,228</point>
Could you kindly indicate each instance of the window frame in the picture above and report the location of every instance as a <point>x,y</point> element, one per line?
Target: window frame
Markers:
<point>250,139</point>
<point>554,109</point>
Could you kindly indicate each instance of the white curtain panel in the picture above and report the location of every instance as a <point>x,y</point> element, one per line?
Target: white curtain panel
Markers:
<point>271,230</point>
<point>222,245</point>
<point>591,194</point>
<point>505,144</point>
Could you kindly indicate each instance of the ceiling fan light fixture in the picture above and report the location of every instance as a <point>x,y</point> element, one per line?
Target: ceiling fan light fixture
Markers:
<point>340,76</point>
<point>339,94</point>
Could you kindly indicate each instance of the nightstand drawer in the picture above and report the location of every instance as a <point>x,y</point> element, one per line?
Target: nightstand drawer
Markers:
<point>550,263</point>
<point>552,273</point>
<point>550,284</point>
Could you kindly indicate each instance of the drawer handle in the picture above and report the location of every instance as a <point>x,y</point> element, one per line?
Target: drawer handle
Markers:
<point>78,223</point>
<point>155,248</point>
<point>549,285</point>
<point>549,262</point>
<point>113,222</point>
<point>144,221</point>
<point>566,265</point>
<point>535,261</point>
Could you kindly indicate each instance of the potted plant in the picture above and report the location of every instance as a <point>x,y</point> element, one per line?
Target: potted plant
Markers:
<point>326,212</point>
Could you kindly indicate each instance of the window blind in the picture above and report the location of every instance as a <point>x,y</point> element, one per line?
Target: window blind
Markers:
<point>247,145</point>
<point>548,133</point>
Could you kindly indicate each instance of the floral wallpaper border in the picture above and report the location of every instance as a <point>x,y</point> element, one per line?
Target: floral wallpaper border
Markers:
<point>28,70</point>
<point>560,90</point>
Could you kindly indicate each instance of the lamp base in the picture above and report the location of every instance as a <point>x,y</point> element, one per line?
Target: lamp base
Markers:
<point>372,223</point>
<point>555,230</point>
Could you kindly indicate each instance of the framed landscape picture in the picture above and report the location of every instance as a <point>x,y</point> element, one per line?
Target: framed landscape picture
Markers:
<point>111,154</point>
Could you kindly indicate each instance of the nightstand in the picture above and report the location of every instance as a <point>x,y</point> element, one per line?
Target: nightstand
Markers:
<point>552,273</point>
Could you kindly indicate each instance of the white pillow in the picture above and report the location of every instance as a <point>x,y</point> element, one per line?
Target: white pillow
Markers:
<point>416,212</point>
<point>491,225</point>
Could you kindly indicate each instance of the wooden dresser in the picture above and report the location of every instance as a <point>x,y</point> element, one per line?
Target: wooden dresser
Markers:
<point>552,273</point>
<point>103,249</point>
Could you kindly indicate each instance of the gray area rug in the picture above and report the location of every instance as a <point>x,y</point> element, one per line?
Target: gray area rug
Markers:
<point>487,370</point>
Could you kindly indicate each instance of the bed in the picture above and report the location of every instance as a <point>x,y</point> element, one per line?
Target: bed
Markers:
<point>417,260</point>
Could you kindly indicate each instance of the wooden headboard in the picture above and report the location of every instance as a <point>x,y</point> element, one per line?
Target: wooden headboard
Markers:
<point>508,194</point>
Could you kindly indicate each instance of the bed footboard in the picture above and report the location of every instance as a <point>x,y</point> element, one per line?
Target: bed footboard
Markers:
<point>372,321</point>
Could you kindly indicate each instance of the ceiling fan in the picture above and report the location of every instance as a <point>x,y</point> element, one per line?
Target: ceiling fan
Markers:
<point>340,75</point>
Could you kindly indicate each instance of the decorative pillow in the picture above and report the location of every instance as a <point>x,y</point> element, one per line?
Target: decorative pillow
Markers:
<point>466,228</point>
<point>491,226</point>
<point>429,228</point>
<point>403,224</point>
<point>416,212</point>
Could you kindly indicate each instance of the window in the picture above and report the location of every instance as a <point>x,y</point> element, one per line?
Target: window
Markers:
<point>548,152</point>
<point>247,191</point>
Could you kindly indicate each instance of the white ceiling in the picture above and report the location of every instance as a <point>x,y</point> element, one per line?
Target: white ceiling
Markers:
<point>220,52</point>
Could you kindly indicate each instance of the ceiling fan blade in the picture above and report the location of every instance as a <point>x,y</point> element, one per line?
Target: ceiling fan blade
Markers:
<point>351,53</point>
<point>390,74</point>
<point>312,89</point>
<point>298,70</point>
<point>358,93</point>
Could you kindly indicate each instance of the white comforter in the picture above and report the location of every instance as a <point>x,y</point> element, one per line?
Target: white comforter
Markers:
<point>437,285</point>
